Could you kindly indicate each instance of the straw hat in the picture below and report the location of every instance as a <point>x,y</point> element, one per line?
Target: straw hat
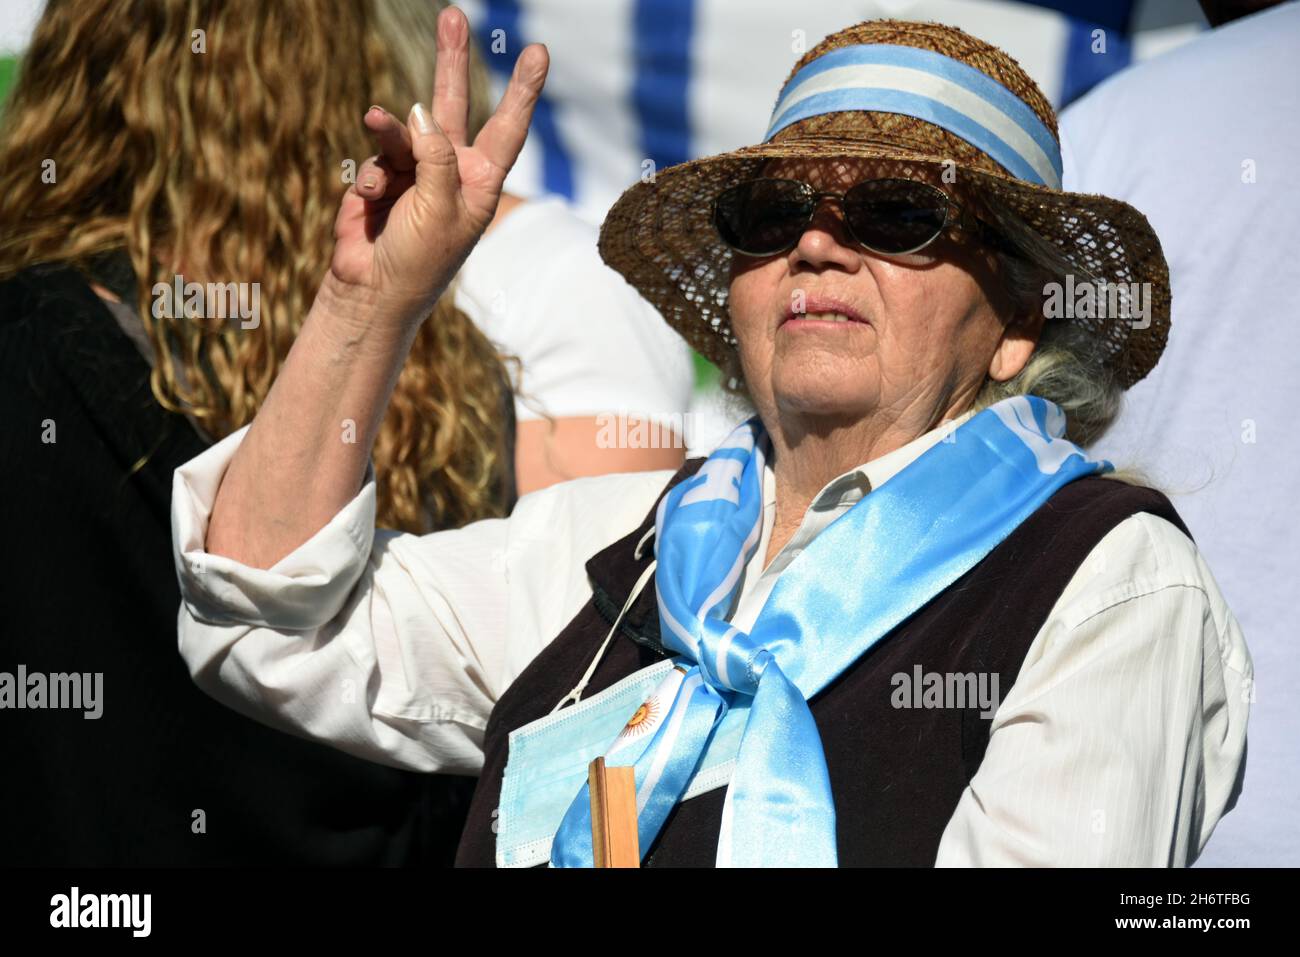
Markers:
<point>914,96</point>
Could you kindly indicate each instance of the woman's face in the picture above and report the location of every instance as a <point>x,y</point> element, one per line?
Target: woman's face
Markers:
<point>923,334</point>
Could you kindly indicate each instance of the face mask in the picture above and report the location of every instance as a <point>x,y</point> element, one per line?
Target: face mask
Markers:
<point>548,758</point>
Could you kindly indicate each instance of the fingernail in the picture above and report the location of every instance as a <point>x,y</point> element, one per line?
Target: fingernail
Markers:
<point>423,121</point>
<point>376,108</point>
<point>368,183</point>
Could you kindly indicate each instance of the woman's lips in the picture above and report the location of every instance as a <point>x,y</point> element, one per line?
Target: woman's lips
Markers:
<point>820,311</point>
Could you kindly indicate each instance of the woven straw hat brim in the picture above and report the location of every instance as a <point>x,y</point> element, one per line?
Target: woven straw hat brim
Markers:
<point>660,236</point>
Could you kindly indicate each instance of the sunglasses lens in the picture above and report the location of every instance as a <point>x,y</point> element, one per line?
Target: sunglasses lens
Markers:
<point>895,215</point>
<point>762,216</point>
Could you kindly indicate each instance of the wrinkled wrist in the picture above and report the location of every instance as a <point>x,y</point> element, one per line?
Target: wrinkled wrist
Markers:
<point>357,314</point>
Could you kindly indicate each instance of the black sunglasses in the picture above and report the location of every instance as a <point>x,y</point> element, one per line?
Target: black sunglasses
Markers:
<point>892,217</point>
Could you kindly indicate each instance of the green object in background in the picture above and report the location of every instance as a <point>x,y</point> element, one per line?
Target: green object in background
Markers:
<point>8,72</point>
<point>706,373</point>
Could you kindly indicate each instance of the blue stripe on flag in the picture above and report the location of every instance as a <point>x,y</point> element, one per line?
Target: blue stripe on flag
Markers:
<point>661,31</point>
<point>1114,15</point>
<point>557,167</point>
<point>1085,69</point>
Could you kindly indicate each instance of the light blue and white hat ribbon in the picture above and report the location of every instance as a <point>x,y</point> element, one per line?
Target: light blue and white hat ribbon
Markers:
<point>929,86</point>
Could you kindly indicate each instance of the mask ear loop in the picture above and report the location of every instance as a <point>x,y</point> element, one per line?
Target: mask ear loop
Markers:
<point>576,693</point>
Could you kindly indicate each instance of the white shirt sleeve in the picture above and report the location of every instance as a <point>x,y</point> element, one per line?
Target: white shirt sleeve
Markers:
<point>1121,741</point>
<point>390,646</point>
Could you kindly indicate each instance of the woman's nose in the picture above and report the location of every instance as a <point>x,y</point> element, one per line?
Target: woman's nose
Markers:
<point>826,238</point>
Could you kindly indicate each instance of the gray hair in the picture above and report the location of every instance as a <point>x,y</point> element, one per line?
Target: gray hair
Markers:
<point>1069,364</point>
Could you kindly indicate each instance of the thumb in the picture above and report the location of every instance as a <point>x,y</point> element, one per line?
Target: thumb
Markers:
<point>435,157</point>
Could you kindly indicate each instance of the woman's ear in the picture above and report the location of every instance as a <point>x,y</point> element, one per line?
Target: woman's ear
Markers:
<point>1019,339</point>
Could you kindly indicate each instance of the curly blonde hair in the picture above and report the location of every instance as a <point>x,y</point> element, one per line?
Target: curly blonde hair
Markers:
<point>210,138</point>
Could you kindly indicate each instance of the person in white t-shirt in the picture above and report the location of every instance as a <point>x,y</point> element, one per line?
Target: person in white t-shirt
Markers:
<point>1204,140</point>
<point>590,350</point>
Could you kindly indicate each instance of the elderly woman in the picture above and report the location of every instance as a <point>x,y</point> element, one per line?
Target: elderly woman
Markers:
<point>898,617</point>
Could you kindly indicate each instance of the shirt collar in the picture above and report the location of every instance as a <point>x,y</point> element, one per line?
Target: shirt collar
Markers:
<point>846,489</point>
<point>836,497</point>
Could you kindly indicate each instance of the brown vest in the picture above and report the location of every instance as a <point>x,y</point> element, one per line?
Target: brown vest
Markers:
<point>896,773</point>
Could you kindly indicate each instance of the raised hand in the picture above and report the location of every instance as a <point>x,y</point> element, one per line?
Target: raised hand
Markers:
<point>419,205</point>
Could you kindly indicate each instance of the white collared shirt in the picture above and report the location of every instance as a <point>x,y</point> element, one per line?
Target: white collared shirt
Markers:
<point>836,497</point>
<point>1119,743</point>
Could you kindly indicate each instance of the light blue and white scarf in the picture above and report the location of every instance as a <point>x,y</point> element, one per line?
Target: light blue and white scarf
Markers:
<point>868,571</point>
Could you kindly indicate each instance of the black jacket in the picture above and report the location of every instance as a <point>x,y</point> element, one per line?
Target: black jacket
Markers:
<point>87,585</point>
